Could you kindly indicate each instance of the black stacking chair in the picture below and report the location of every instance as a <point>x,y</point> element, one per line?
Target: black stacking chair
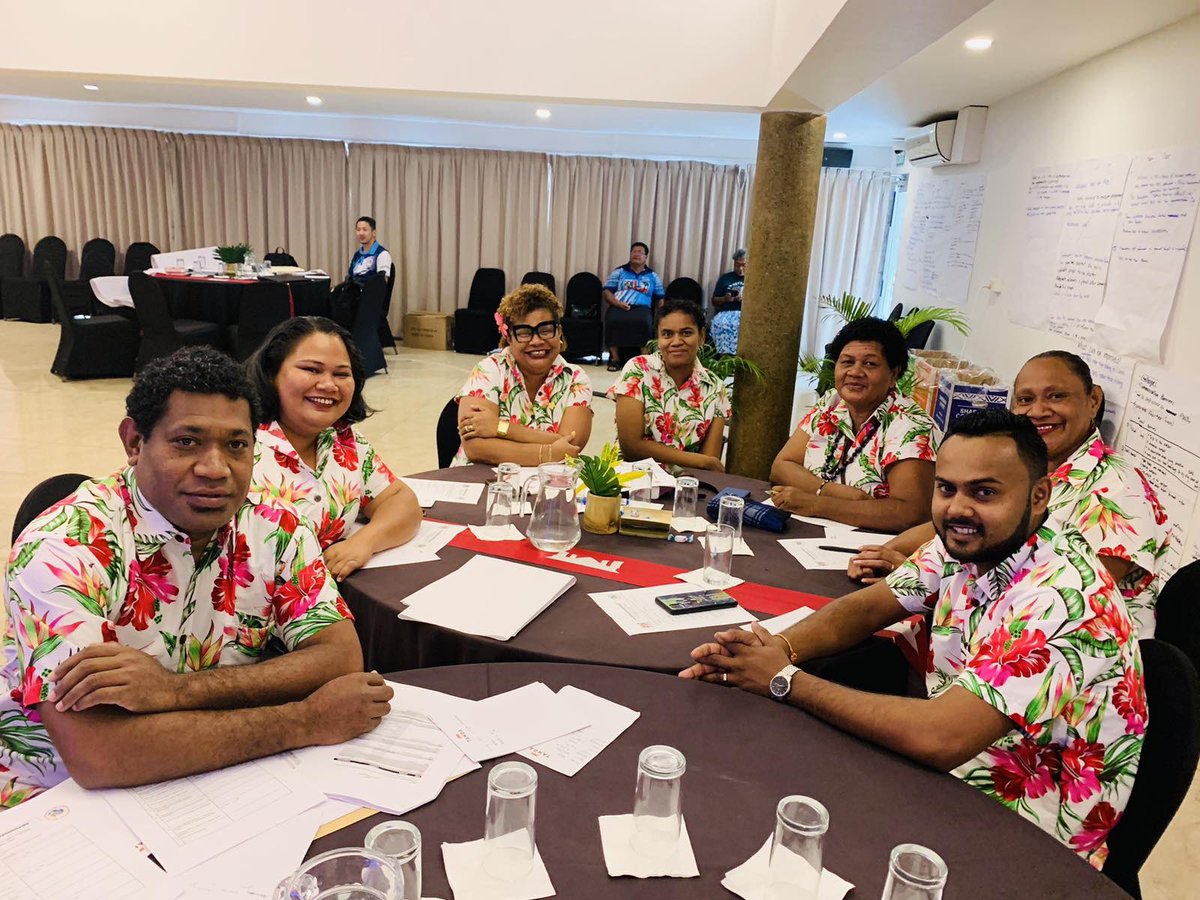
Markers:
<point>137,256</point>
<point>1178,612</point>
<point>386,338</point>
<point>896,313</point>
<point>448,438</point>
<point>684,288</point>
<point>475,328</point>
<point>28,299</point>
<point>280,257</point>
<point>583,328</point>
<point>919,336</point>
<point>162,333</point>
<point>262,308</point>
<point>97,259</point>
<point>1168,763</point>
<point>43,496</point>
<point>92,346</point>
<point>365,330</point>
<point>543,278</point>
<point>12,261</point>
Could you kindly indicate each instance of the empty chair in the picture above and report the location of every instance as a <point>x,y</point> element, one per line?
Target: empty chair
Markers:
<point>28,299</point>
<point>92,346</point>
<point>137,256</point>
<point>1168,763</point>
<point>543,278</point>
<point>262,308</point>
<point>162,334</point>
<point>97,259</point>
<point>475,328</point>
<point>684,288</point>
<point>1178,612</point>
<point>919,336</point>
<point>583,327</point>
<point>12,260</point>
<point>43,496</point>
<point>896,313</point>
<point>365,330</point>
<point>448,439</point>
<point>386,338</point>
<point>280,257</point>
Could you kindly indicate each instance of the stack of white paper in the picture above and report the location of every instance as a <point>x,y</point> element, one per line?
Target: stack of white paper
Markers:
<point>487,596</point>
<point>824,553</point>
<point>430,538</point>
<point>430,492</point>
<point>571,752</point>
<point>510,721</point>
<point>637,613</point>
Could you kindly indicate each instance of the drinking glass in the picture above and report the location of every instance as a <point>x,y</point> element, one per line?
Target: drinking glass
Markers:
<point>401,843</point>
<point>200,265</point>
<point>348,874</point>
<point>729,512</point>
<point>686,489</point>
<point>795,867</point>
<point>179,262</point>
<point>718,554</point>
<point>657,816</point>
<point>914,873</point>
<point>642,490</point>
<point>509,821</point>
<point>265,267</point>
<point>500,496</point>
<point>509,473</point>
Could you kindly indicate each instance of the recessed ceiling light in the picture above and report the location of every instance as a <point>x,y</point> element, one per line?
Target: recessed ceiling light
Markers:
<point>313,101</point>
<point>839,135</point>
<point>91,87</point>
<point>978,43</point>
<point>542,113</point>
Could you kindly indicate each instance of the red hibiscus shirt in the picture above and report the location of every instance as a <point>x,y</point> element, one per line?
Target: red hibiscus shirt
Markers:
<point>348,475</point>
<point>1045,638</point>
<point>104,565</point>
<point>675,416</point>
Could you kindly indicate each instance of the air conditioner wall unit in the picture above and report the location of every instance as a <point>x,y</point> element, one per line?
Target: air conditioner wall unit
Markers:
<point>950,141</point>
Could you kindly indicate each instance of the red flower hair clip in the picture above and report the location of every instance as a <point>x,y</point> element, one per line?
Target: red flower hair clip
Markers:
<point>502,325</point>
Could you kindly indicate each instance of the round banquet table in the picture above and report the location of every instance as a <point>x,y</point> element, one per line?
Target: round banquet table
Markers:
<point>573,628</point>
<point>743,753</point>
<point>218,300</point>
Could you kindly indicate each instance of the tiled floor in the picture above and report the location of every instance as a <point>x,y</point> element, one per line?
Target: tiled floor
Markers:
<point>50,427</point>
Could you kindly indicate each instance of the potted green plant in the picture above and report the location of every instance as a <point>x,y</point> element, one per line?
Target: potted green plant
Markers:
<point>233,255</point>
<point>849,308</point>
<point>598,474</point>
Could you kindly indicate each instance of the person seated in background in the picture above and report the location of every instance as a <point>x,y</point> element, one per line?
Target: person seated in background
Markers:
<point>371,256</point>
<point>309,376</point>
<point>136,605</point>
<point>727,298</point>
<point>863,455</point>
<point>525,404</point>
<point>1014,595</point>
<point>670,408</point>
<point>631,293</point>
<point>1092,486</point>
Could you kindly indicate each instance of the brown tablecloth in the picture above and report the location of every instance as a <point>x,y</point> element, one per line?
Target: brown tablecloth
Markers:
<point>743,753</point>
<point>574,628</point>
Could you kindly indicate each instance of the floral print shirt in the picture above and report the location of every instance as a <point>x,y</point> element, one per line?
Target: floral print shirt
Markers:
<point>897,430</point>
<point>678,417</point>
<point>104,565</point>
<point>1045,638</point>
<point>497,378</point>
<point>1113,505</point>
<point>348,475</point>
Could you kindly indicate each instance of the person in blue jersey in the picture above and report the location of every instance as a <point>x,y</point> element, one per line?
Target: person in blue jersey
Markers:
<point>630,294</point>
<point>371,256</point>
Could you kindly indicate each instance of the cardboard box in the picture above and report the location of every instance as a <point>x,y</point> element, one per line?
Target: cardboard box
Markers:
<point>928,368</point>
<point>429,330</point>
<point>966,390</point>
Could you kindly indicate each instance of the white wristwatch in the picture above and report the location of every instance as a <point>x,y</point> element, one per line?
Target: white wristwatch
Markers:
<point>781,684</point>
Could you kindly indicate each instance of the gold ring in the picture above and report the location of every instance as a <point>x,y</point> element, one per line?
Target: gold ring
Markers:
<point>724,677</point>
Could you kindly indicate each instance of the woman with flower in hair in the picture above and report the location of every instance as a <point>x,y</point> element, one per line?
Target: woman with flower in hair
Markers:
<point>525,403</point>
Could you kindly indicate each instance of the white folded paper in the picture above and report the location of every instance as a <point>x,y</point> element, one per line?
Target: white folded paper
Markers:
<point>430,538</point>
<point>430,492</point>
<point>690,525</point>
<point>571,752</point>
<point>620,857</point>
<point>777,624</point>
<point>636,612</point>
<point>497,532</point>
<point>808,552</point>
<point>696,577</point>
<point>469,881</point>
<point>751,880</point>
<point>508,722</point>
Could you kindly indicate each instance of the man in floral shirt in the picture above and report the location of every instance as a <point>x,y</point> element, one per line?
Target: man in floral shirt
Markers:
<point>1034,679</point>
<point>134,605</point>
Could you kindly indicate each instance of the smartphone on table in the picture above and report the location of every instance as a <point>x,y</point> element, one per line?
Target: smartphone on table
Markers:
<point>695,601</point>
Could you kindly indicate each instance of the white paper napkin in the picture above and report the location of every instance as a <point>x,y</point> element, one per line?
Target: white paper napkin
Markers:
<point>696,576</point>
<point>621,859</point>
<point>468,880</point>
<point>750,879</point>
<point>740,547</point>
<point>689,524</point>
<point>496,532</point>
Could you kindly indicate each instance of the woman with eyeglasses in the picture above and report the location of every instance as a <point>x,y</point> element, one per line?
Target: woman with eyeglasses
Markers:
<point>525,403</point>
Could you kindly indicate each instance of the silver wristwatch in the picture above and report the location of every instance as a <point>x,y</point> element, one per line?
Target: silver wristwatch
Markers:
<point>781,684</point>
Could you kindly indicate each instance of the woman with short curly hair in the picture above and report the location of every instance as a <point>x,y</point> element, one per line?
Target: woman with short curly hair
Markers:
<point>525,403</point>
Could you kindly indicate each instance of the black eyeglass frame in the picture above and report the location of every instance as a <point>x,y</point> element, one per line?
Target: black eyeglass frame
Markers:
<point>523,334</point>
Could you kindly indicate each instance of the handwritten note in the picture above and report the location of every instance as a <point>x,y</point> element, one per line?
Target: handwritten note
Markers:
<point>1046,200</point>
<point>939,253</point>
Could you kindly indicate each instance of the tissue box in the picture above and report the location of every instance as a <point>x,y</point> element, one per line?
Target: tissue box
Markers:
<point>429,330</point>
<point>641,522</point>
<point>966,390</point>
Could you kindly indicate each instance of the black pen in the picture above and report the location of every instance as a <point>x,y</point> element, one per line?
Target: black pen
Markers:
<point>838,549</point>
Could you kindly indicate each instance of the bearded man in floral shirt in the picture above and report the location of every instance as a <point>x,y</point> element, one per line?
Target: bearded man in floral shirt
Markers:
<point>135,604</point>
<point>1036,695</point>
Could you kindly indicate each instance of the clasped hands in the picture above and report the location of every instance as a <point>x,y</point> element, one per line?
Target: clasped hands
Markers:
<point>744,659</point>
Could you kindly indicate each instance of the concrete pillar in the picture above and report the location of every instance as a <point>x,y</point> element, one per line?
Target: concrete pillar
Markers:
<point>783,211</point>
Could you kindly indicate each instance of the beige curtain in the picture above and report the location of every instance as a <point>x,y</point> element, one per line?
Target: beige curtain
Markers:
<point>692,214</point>
<point>80,183</point>
<point>443,213</point>
<point>268,192</point>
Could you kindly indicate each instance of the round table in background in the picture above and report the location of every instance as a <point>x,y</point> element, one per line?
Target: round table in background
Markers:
<point>743,753</point>
<point>573,628</point>
<point>218,300</point>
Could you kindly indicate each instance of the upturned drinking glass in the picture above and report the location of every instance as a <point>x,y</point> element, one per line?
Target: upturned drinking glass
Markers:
<point>642,490</point>
<point>914,873</point>
<point>509,837</point>
<point>401,843</point>
<point>729,512</point>
<point>718,555</point>
<point>657,814</point>
<point>686,489</point>
<point>796,848</point>
<point>501,497</point>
